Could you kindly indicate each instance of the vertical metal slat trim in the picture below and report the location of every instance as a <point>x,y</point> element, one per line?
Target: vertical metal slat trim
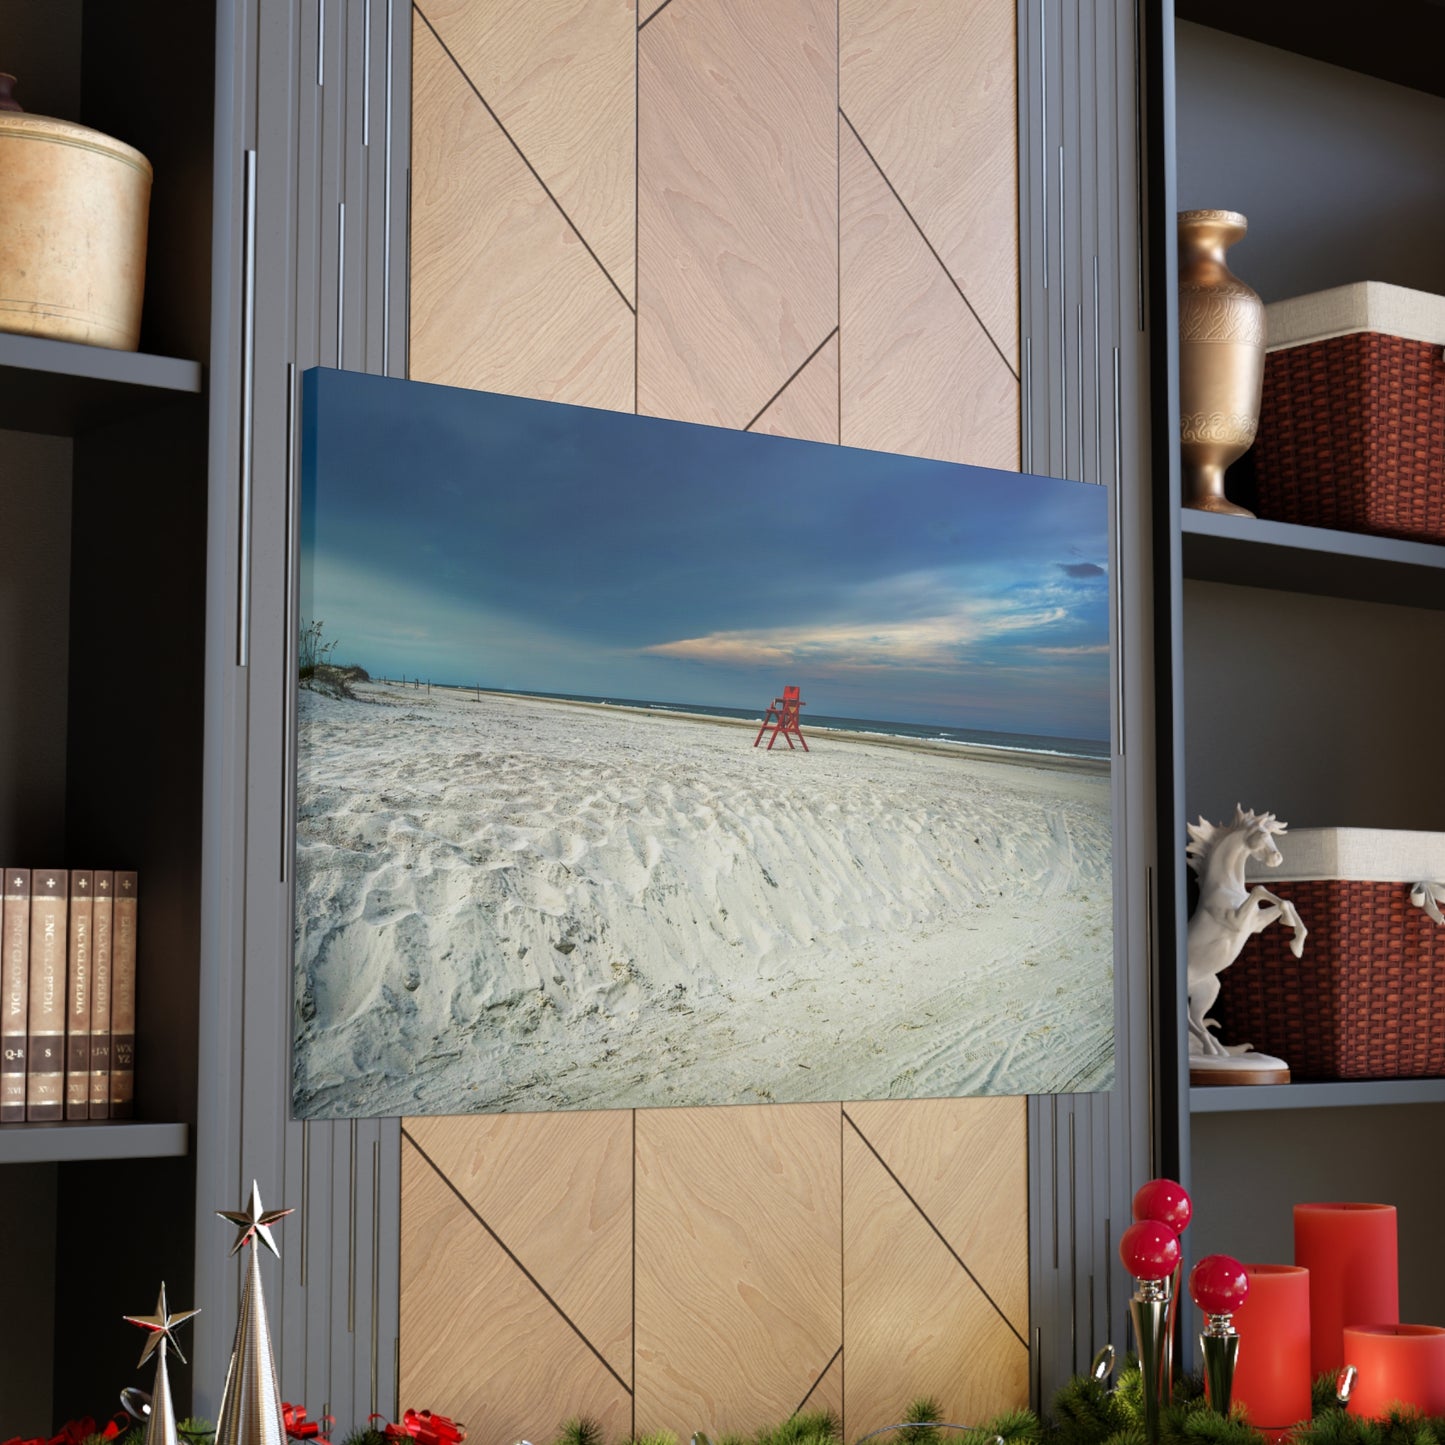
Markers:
<point>1044,135</point>
<point>1118,504</point>
<point>340,283</point>
<point>351,1243</point>
<point>1073,1245</point>
<point>248,409</point>
<point>289,623</point>
<point>321,42</point>
<point>375,1267</point>
<point>1150,1003</point>
<point>1079,385</point>
<point>366,77</point>
<point>1098,388</point>
<point>386,211</point>
<point>305,1194</point>
<point>1063,330</point>
<point>1028,387</point>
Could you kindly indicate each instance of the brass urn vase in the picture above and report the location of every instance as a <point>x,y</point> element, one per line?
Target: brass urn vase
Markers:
<point>1221,358</point>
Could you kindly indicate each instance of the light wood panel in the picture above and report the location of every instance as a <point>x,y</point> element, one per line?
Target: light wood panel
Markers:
<point>808,406</point>
<point>919,375</point>
<point>827,1394</point>
<point>740,151</point>
<point>737,202</point>
<point>966,1163</point>
<point>561,77</point>
<point>931,86</point>
<point>738,1238</point>
<point>914,1322</point>
<point>478,1342</point>
<point>504,295</point>
<point>557,1189</point>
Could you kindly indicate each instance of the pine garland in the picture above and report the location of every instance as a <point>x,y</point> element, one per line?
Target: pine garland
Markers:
<point>1084,1413</point>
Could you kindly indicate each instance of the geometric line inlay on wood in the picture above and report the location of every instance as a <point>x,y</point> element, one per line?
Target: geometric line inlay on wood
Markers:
<point>531,1278</point>
<point>522,155</point>
<point>942,1238</point>
<point>932,249</point>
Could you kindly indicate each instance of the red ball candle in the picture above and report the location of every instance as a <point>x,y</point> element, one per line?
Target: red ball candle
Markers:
<point>1398,1365</point>
<point>1352,1254</point>
<point>1219,1284</point>
<point>1149,1250</point>
<point>1272,1378</point>
<point>1165,1201</point>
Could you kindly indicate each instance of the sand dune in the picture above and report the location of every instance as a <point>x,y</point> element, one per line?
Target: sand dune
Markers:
<point>509,903</point>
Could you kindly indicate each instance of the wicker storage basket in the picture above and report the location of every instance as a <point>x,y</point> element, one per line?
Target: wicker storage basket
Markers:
<point>1367,999</point>
<point>1352,422</point>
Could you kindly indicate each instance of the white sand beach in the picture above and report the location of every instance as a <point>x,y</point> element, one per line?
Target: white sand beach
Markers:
<point>512,903</point>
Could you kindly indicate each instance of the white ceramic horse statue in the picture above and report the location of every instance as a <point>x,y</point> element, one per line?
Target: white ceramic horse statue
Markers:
<point>1228,912</point>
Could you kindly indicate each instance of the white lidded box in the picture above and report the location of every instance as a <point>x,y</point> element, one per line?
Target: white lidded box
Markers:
<point>1366,1000</point>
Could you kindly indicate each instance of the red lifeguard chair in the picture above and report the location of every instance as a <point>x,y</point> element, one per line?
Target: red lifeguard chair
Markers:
<point>782,716</point>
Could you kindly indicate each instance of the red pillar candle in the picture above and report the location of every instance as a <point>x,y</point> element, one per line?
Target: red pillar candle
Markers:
<point>1352,1255</point>
<point>1397,1364</point>
<point>1272,1378</point>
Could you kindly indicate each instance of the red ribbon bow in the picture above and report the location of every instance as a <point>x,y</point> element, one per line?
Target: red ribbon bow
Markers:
<point>425,1428</point>
<point>73,1432</point>
<point>298,1427</point>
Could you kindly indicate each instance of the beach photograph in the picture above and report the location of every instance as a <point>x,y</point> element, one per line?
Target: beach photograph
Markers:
<point>642,763</point>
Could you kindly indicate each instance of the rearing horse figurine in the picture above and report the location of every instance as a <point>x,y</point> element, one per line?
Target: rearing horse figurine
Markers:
<point>1228,912</point>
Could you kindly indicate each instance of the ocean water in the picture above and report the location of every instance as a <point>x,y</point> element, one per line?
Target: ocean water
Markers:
<point>821,722</point>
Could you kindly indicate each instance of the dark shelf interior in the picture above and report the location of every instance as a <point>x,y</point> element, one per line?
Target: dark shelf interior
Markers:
<point>61,1143</point>
<point>1396,40</point>
<point>60,388</point>
<point>1251,552</point>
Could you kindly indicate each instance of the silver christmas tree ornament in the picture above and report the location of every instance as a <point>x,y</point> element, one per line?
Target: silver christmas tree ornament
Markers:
<point>161,1422</point>
<point>250,1412</point>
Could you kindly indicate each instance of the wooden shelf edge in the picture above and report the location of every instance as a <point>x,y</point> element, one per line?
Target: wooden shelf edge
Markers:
<point>1342,1095</point>
<point>57,1143</point>
<point>60,388</point>
<point>99,363</point>
<point>1282,556</point>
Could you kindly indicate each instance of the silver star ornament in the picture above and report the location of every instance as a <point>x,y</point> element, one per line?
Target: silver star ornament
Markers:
<point>255,1221</point>
<point>159,1325</point>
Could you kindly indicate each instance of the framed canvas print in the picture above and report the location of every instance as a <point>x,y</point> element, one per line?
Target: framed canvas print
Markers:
<point>643,763</point>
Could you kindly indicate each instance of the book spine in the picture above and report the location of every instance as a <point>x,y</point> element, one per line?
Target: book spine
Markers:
<point>14,994</point>
<point>78,994</point>
<point>45,1049</point>
<point>122,996</point>
<point>100,956</point>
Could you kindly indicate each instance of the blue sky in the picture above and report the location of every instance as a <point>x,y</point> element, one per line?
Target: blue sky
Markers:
<point>480,539</point>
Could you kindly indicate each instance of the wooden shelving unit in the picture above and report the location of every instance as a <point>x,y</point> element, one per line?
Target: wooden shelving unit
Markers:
<point>103,482</point>
<point>1306,666</point>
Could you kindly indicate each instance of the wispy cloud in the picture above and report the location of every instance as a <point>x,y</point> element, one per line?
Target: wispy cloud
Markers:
<point>917,621</point>
<point>1091,649</point>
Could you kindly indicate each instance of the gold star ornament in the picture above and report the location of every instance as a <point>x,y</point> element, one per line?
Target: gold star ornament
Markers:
<point>254,1221</point>
<point>159,1327</point>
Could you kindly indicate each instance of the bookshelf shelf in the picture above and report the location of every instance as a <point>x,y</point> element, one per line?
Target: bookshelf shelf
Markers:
<point>1345,1094</point>
<point>1400,42</point>
<point>61,388</point>
<point>1252,552</point>
<point>59,1143</point>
